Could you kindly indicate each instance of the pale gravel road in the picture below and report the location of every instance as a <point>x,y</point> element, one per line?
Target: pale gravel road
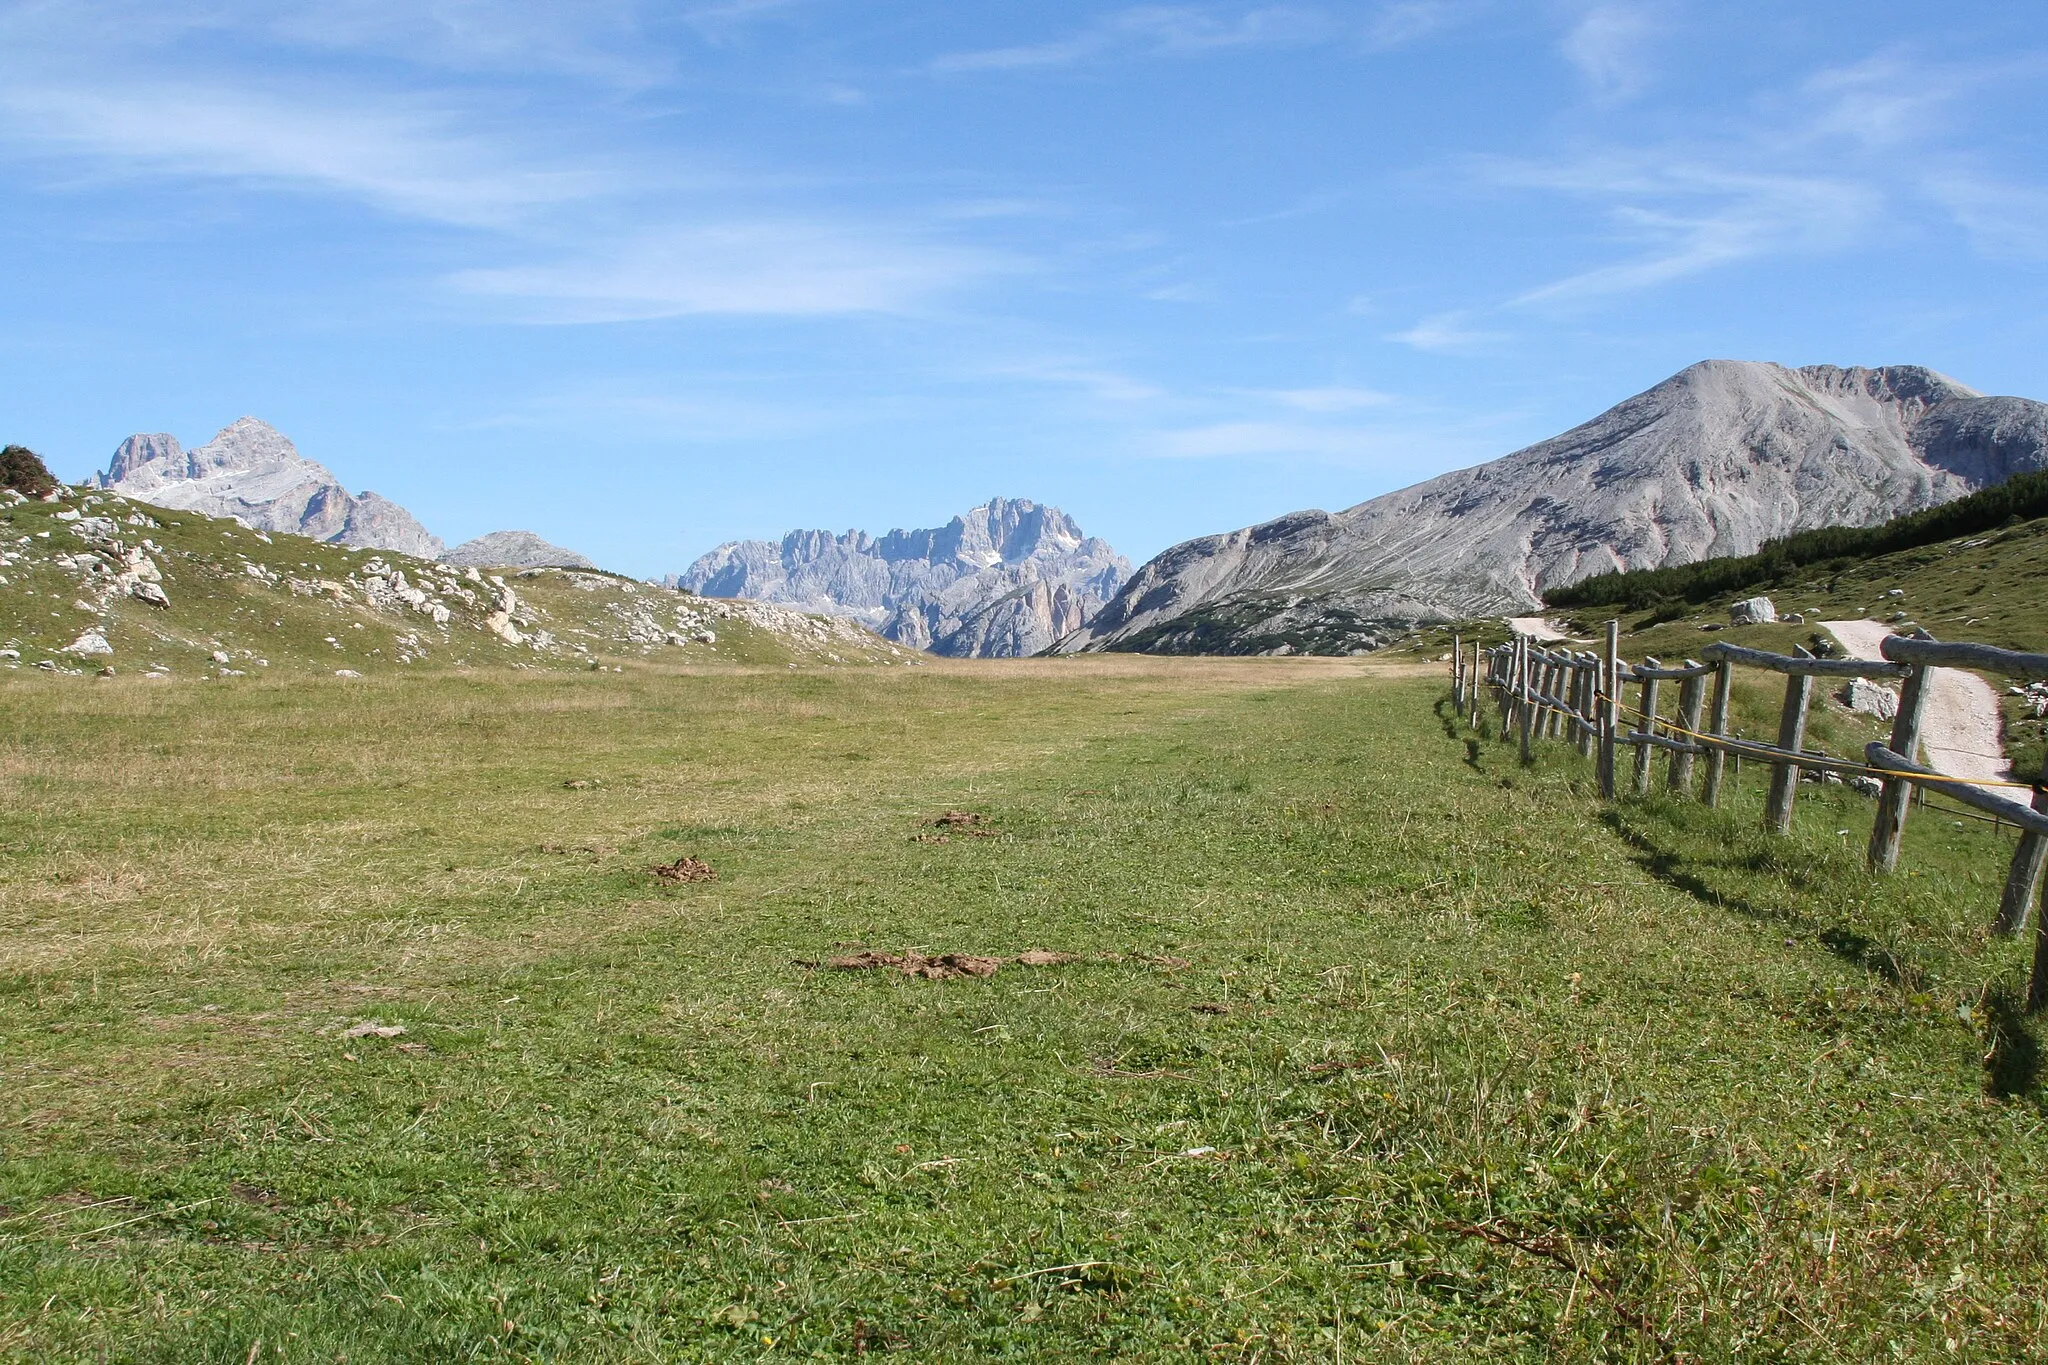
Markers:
<point>1960,733</point>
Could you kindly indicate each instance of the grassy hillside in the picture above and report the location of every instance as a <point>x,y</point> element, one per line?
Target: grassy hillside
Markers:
<point>185,595</point>
<point>1375,1043</point>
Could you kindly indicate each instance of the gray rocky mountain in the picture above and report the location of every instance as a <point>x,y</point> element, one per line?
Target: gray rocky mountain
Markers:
<point>514,550</point>
<point>1002,580</point>
<point>250,471</point>
<point>1713,461</point>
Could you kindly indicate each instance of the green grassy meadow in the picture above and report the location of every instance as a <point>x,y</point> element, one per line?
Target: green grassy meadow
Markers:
<point>1380,1046</point>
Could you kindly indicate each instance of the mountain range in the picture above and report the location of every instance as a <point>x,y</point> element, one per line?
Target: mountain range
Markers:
<point>252,472</point>
<point>1715,460</point>
<point>1003,580</point>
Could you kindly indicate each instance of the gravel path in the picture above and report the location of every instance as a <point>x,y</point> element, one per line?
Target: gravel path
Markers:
<point>1541,629</point>
<point>1960,733</point>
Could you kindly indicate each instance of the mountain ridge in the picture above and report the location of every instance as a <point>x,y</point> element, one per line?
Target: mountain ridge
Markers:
<point>251,471</point>
<point>1004,579</point>
<point>1714,460</point>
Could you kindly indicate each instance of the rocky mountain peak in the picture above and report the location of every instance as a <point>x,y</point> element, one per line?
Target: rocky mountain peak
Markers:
<point>251,471</point>
<point>1005,578</point>
<point>514,550</point>
<point>1715,460</point>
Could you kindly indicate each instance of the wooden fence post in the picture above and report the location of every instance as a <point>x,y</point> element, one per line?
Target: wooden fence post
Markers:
<point>1717,725</point>
<point>2023,882</point>
<point>1791,735</point>
<point>1690,698</point>
<point>1648,726</point>
<point>1513,667</point>
<point>1588,695</point>
<point>1473,700</point>
<point>1553,686</point>
<point>1892,801</point>
<point>1457,671</point>
<point>1561,679</point>
<point>1528,715</point>
<point>1610,678</point>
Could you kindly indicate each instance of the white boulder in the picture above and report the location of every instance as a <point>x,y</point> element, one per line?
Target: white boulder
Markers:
<point>1872,699</point>
<point>1753,611</point>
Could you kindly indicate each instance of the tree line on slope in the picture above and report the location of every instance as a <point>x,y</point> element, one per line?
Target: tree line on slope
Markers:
<point>2021,498</point>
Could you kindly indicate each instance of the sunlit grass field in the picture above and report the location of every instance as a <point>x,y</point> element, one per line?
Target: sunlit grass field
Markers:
<point>1379,1046</point>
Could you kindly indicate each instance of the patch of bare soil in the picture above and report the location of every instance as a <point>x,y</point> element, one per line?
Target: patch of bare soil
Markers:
<point>939,967</point>
<point>683,870</point>
<point>1045,957</point>
<point>965,823</point>
<point>944,966</point>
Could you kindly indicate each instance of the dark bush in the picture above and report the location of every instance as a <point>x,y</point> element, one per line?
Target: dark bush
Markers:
<point>24,471</point>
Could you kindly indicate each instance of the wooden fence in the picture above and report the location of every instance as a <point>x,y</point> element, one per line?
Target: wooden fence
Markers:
<point>1578,696</point>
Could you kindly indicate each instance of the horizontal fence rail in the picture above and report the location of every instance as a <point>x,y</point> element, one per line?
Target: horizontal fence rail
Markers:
<point>1578,696</point>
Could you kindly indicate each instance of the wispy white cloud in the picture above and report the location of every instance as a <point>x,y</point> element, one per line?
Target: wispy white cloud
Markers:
<point>787,268</point>
<point>1450,331</point>
<point>1098,381</point>
<point>1227,439</point>
<point>1879,103</point>
<point>406,157</point>
<point>2005,220</point>
<point>1691,218</point>
<point>1399,23</point>
<point>1610,46</point>
<point>1333,398</point>
<point>1152,31</point>
<point>651,239</point>
<point>682,415</point>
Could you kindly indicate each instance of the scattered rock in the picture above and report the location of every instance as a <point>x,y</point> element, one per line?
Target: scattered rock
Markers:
<point>151,593</point>
<point>89,642</point>
<point>685,869</point>
<point>367,1029</point>
<point>1869,786</point>
<point>346,673</point>
<point>1752,611</point>
<point>1872,699</point>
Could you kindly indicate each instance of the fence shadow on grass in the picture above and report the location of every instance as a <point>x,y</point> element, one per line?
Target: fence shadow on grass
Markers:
<point>1683,871</point>
<point>1454,728</point>
<point>2012,1058</point>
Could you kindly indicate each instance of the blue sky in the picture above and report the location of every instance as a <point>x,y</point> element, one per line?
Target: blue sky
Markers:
<point>644,277</point>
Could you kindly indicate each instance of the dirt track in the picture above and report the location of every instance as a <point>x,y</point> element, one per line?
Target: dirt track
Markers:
<point>1961,730</point>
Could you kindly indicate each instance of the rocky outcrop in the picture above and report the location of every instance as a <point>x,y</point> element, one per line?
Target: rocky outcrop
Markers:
<point>514,550</point>
<point>1003,580</point>
<point>1713,461</point>
<point>252,472</point>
